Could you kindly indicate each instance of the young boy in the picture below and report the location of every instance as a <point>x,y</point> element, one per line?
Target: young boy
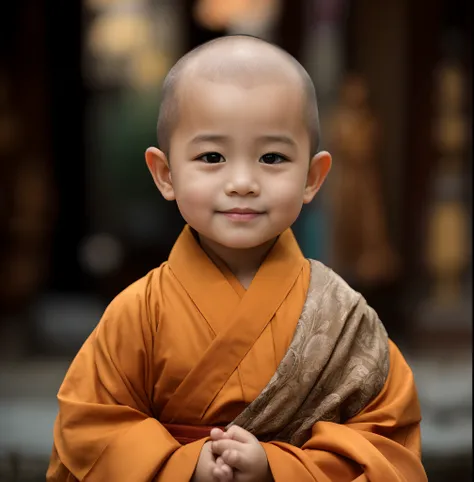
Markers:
<point>237,330</point>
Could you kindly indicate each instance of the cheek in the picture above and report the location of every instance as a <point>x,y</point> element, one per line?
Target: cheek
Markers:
<point>194,192</point>
<point>287,193</point>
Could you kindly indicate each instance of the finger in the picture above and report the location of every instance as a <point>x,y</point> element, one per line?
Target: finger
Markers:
<point>223,473</point>
<point>220,461</point>
<point>235,460</point>
<point>227,470</point>
<point>240,434</point>
<point>219,446</point>
<point>217,434</point>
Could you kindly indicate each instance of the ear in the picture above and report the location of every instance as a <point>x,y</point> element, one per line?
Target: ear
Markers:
<point>158,165</point>
<point>318,170</point>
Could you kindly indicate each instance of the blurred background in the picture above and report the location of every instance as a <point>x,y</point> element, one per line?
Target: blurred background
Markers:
<point>80,217</point>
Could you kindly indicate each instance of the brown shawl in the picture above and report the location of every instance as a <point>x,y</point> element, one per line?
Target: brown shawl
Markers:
<point>336,364</point>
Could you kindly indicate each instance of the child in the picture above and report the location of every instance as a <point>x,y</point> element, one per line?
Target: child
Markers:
<point>237,330</point>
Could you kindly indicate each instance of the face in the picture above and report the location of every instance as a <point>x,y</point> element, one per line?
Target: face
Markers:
<point>239,161</point>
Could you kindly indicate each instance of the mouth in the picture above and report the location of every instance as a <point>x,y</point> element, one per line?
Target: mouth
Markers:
<point>241,214</point>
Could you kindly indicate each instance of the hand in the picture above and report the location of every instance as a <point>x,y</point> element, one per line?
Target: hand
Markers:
<point>222,472</point>
<point>243,453</point>
<point>205,466</point>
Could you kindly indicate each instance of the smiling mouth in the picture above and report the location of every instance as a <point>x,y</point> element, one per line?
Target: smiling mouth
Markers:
<point>238,214</point>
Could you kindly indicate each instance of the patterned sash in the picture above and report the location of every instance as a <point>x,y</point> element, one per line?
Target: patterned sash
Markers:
<point>336,364</point>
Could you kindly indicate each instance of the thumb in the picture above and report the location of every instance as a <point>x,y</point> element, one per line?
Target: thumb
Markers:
<point>218,434</point>
<point>240,434</point>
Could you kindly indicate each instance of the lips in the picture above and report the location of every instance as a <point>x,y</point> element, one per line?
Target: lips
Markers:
<point>242,211</point>
<point>241,214</point>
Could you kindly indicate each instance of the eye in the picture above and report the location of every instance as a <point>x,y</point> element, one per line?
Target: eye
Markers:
<point>272,158</point>
<point>211,158</point>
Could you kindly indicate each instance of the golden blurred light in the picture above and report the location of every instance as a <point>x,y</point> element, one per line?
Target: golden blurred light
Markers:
<point>119,35</point>
<point>448,250</point>
<point>148,68</point>
<point>219,15</point>
<point>450,133</point>
<point>450,83</point>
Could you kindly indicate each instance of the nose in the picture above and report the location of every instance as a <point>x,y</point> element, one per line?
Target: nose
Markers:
<point>242,182</point>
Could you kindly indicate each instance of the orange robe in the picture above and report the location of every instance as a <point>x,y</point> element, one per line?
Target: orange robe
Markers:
<point>136,372</point>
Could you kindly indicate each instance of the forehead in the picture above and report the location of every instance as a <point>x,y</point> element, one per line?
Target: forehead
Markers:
<point>274,103</point>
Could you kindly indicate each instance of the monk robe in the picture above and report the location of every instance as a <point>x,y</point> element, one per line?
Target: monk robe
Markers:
<point>188,345</point>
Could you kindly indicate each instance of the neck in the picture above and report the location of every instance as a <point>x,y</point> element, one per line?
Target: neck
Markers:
<point>243,263</point>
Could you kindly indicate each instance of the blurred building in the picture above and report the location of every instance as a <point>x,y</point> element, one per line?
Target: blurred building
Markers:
<point>80,218</point>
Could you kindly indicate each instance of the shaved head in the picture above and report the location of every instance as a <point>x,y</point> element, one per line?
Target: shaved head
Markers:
<point>243,60</point>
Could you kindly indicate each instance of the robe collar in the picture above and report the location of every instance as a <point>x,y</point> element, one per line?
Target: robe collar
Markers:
<point>215,291</point>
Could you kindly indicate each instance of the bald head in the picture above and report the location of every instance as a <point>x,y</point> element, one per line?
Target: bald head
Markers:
<point>243,60</point>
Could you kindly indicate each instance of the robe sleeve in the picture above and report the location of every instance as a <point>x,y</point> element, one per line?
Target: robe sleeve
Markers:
<point>105,429</point>
<point>380,444</point>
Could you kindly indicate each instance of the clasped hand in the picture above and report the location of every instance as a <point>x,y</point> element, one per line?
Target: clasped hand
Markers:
<point>232,456</point>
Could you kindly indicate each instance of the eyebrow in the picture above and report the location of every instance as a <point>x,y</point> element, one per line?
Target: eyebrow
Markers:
<point>282,139</point>
<point>208,138</point>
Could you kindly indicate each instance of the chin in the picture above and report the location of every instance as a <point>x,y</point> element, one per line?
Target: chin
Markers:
<point>242,242</point>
